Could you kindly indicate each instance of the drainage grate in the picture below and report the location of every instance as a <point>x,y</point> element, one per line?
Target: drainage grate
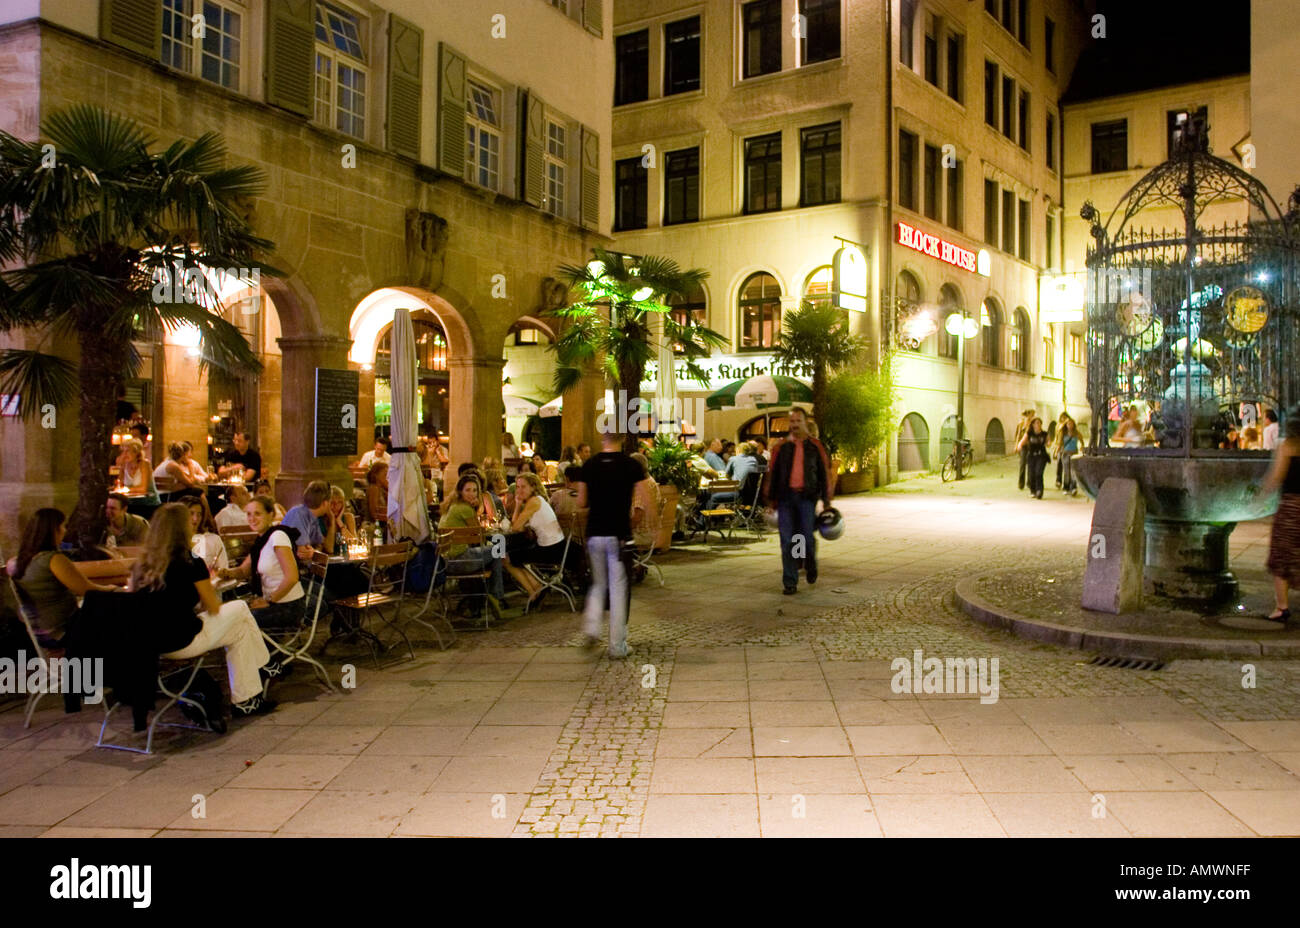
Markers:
<point>1127,663</point>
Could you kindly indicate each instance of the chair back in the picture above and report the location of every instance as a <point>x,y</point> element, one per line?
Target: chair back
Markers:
<point>238,543</point>
<point>472,535</point>
<point>383,556</point>
<point>316,571</point>
<point>26,611</point>
<point>722,486</point>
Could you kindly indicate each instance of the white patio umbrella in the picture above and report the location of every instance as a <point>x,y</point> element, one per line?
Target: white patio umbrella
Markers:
<point>552,409</point>
<point>408,511</point>
<point>518,406</point>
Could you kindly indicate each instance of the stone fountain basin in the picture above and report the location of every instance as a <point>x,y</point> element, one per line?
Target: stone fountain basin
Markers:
<point>1177,489</point>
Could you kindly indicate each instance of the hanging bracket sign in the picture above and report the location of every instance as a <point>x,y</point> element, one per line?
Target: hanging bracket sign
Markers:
<point>849,275</point>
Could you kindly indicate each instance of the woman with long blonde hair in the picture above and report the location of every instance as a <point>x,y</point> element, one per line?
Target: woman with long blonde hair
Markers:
<point>179,583</point>
<point>536,536</point>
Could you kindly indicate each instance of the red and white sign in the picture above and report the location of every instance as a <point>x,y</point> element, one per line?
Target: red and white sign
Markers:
<point>935,247</point>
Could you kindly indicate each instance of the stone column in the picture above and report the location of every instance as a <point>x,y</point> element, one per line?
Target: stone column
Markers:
<point>366,412</point>
<point>475,388</point>
<point>183,395</point>
<point>39,457</point>
<point>302,354</point>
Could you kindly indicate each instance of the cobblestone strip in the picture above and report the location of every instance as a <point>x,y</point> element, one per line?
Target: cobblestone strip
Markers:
<point>597,780</point>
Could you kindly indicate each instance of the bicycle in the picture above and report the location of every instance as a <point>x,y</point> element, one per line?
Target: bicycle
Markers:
<point>950,469</point>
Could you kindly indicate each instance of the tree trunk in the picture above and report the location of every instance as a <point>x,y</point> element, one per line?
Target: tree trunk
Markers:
<point>819,390</point>
<point>629,386</point>
<point>102,359</point>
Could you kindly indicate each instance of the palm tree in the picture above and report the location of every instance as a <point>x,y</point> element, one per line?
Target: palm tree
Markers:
<point>95,228</point>
<point>816,335</point>
<point>610,324</point>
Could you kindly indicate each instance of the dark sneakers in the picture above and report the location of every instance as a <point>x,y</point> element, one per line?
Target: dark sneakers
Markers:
<point>258,705</point>
<point>811,575</point>
<point>789,590</point>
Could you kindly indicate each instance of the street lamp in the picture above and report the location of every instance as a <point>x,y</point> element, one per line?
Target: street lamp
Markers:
<point>961,327</point>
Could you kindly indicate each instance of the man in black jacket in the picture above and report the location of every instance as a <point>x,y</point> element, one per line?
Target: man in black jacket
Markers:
<point>797,477</point>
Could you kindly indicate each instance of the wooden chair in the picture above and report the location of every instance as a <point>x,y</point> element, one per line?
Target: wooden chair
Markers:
<point>115,570</point>
<point>386,573</point>
<point>294,643</point>
<point>722,518</point>
<point>473,536</point>
<point>644,556</point>
<point>238,543</point>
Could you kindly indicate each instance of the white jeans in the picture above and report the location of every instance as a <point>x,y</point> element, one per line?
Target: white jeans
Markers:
<point>234,629</point>
<point>608,578</point>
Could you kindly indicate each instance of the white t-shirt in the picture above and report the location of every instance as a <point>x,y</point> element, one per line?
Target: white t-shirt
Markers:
<point>209,548</point>
<point>545,525</point>
<point>231,516</point>
<point>161,470</point>
<point>1270,436</point>
<point>371,457</point>
<point>268,568</point>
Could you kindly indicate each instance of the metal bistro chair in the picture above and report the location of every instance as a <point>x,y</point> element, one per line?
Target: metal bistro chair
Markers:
<point>185,671</point>
<point>722,519</point>
<point>385,568</point>
<point>749,508</point>
<point>27,612</point>
<point>473,536</point>
<point>434,605</point>
<point>551,576</point>
<point>643,555</point>
<point>294,643</point>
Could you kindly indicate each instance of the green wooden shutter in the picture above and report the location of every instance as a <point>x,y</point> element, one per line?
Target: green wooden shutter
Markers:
<point>590,179</point>
<point>593,15</point>
<point>451,111</point>
<point>290,55</point>
<point>535,151</point>
<point>405,54</point>
<point>133,24</point>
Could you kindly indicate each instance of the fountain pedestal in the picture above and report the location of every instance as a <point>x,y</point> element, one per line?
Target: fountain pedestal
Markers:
<point>1192,506</point>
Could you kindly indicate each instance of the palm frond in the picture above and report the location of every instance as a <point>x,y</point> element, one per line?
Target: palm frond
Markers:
<point>565,379</point>
<point>38,379</point>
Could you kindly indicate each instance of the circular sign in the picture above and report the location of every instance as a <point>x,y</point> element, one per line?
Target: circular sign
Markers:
<point>1135,315</point>
<point>1151,337</point>
<point>1246,309</point>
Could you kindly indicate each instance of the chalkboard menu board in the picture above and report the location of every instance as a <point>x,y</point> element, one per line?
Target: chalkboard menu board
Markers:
<point>337,396</point>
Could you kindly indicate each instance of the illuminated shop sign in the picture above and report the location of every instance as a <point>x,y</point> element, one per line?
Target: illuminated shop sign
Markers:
<point>849,269</point>
<point>935,247</point>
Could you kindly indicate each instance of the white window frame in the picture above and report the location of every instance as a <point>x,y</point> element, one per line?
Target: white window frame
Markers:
<point>476,128</point>
<point>191,49</point>
<point>555,198</point>
<point>325,106</point>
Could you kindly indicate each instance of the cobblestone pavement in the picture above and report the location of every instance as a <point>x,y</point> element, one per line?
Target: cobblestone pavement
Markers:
<point>739,712</point>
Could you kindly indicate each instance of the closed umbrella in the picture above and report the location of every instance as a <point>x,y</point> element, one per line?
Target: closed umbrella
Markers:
<point>408,511</point>
<point>762,391</point>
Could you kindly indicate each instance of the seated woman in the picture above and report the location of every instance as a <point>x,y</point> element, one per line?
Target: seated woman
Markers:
<point>568,458</point>
<point>501,490</point>
<point>264,489</point>
<point>463,559</point>
<point>492,513</point>
<point>343,518</point>
<point>179,583</point>
<point>271,569</point>
<point>136,475</point>
<point>51,581</point>
<point>645,506</point>
<point>205,542</point>
<point>174,467</point>
<point>195,469</point>
<point>533,517</point>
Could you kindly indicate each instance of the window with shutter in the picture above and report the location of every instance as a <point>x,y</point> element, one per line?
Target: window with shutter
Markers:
<point>557,174</point>
<point>341,74</point>
<point>405,54</point>
<point>289,55</point>
<point>132,24</point>
<point>215,53</point>
<point>590,179</point>
<point>483,134</point>
<point>451,111</point>
<point>534,187</point>
<point>593,16</point>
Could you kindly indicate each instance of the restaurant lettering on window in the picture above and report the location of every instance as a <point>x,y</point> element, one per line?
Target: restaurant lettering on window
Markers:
<point>723,369</point>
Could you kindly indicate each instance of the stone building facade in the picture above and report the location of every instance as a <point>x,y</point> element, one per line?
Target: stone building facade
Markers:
<point>925,131</point>
<point>437,157</point>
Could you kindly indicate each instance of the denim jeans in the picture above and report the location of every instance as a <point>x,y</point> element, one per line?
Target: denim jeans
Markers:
<point>608,581</point>
<point>1067,471</point>
<point>797,517</point>
<point>476,559</point>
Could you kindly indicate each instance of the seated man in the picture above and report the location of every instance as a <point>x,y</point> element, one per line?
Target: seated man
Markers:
<point>565,502</point>
<point>245,461</point>
<point>304,517</point>
<point>738,468</point>
<point>713,457</point>
<point>124,528</point>
<point>232,515</point>
<point>377,454</point>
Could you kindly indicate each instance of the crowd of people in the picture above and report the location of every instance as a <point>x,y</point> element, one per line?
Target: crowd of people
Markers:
<point>1037,446</point>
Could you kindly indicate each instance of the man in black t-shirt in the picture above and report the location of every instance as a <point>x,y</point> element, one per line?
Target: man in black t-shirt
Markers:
<point>245,458</point>
<point>605,484</point>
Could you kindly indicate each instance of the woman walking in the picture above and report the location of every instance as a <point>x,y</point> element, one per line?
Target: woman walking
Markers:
<point>1068,437</point>
<point>1284,543</point>
<point>1034,445</point>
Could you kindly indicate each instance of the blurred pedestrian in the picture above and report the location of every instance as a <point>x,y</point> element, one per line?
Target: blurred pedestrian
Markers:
<point>1033,446</point>
<point>1284,542</point>
<point>1021,427</point>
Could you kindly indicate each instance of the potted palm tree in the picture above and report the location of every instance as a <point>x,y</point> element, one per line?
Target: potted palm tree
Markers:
<point>670,467</point>
<point>610,323</point>
<point>816,336</point>
<point>857,421</point>
<point>110,241</point>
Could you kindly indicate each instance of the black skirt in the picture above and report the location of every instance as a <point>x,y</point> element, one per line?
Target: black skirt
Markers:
<point>536,554</point>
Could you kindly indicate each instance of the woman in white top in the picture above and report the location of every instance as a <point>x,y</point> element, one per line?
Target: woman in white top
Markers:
<point>175,468</point>
<point>532,512</point>
<point>281,600</point>
<point>205,543</point>
<point>135,470</point>
<point>194,468</point>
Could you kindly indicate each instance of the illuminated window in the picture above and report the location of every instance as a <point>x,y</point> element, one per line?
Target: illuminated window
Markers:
<point>760,312</point>
<point>340,70</point>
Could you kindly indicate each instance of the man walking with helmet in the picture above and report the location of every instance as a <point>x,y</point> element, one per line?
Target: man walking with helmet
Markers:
<point>798,476</point>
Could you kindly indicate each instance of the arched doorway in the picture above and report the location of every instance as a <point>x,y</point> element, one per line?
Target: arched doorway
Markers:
<point>434,381</point>
<point>948,434</point>
<point>995,440</point>
<point>914,443</point>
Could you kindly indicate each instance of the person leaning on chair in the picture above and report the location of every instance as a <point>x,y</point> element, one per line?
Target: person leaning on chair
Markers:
<point>799,475</point>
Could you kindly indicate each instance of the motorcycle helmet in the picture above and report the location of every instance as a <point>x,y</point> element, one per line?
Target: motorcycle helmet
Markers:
<point>771,518</point>
<point>830,524</point>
